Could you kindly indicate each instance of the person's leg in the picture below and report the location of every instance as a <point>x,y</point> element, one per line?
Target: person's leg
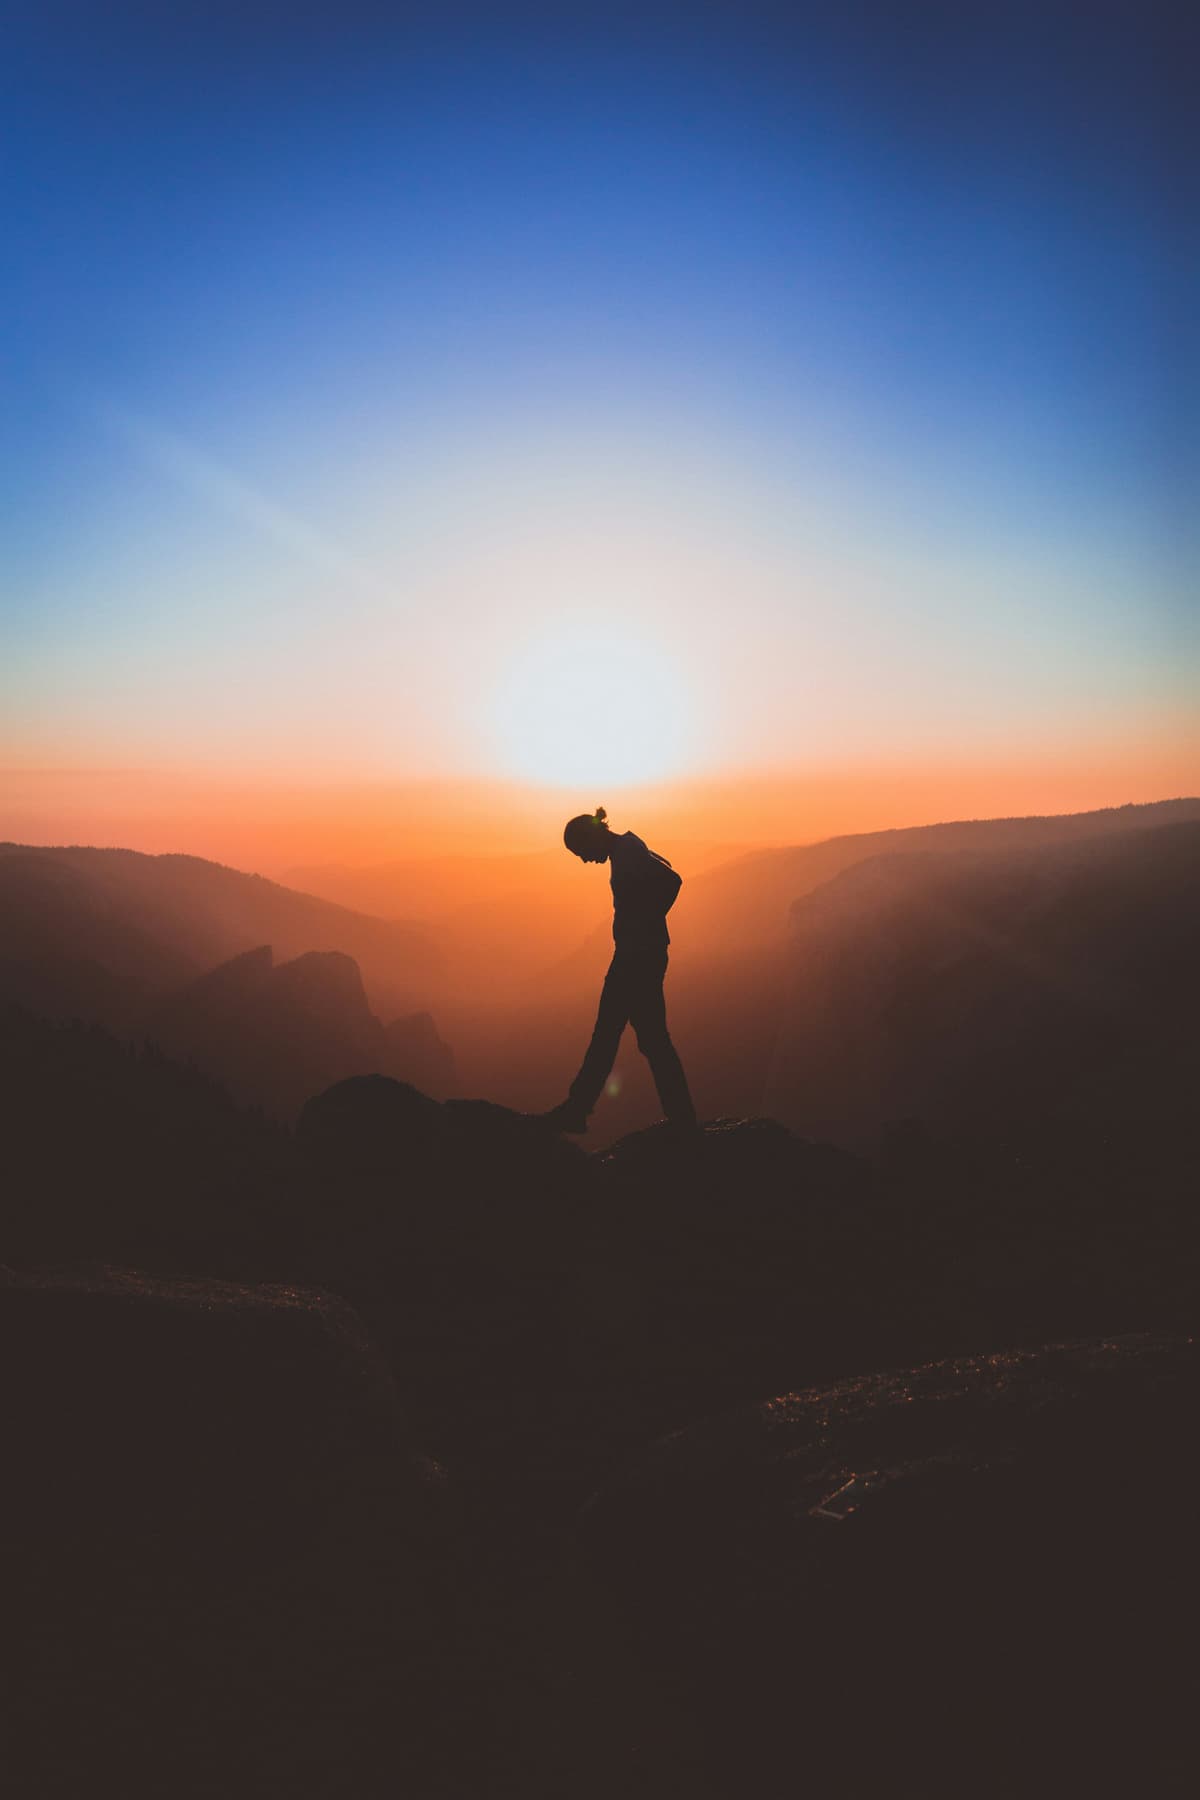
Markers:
<point>648,1016</point>
<point>611,1019</point>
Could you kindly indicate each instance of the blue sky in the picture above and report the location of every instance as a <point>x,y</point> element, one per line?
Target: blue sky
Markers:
<point>316,315</point>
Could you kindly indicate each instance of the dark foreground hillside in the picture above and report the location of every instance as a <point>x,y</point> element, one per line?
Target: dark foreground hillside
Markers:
<point>415,1452</point>
<point>225,1566</point>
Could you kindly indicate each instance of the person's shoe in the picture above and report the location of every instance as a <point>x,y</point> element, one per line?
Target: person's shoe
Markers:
<point>568,1118</point>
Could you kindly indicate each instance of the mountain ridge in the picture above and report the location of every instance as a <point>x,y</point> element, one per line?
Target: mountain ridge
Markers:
<point>202,912</point>
<point>714,910</point>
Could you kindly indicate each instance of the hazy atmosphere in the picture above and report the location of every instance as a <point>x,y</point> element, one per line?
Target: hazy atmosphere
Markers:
<point>599,866</point>
<point>591,398</point>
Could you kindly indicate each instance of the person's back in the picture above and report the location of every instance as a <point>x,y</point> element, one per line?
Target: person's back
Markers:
<point>644,888</point>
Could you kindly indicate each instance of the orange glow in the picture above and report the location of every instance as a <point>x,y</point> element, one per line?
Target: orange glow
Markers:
<point>271,824</point>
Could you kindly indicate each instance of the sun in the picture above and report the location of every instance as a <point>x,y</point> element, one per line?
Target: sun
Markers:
<point>584,705</point>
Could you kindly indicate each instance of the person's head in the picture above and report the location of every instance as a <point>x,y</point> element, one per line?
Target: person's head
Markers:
<point>587,835</point>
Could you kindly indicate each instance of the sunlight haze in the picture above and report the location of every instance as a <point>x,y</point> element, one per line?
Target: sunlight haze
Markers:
<point>499,406</point>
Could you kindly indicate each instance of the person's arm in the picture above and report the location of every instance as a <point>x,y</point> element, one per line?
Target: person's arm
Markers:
<point>645,886</point>
<point>669,881</point>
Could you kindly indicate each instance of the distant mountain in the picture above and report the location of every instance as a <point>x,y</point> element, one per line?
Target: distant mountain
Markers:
<point>434,887</point>
<point>113,936</point>
<point>1051,988</point>
<point>731,968</point>
<point>498,921</point>
<point>113,927</point>
<point>745,903</point>
<point>507,926</point>
<point>427,887</point>
<point>276,1034</point>
<point>416,1047</point>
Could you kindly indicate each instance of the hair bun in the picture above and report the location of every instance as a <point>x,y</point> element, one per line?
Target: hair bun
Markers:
<point>600,815</point>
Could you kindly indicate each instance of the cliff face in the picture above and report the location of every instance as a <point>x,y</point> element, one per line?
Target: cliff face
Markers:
<point>274,1034</point>
<point>947,1567</point>
<point>212,1506</point>
<point>187,953</point>
<point>153,922</point>
<point>747,901</point>
<point>955,977</point>
<point>1047,988</point>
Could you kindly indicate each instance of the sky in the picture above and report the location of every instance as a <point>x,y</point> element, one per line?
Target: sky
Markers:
<point>589,398</point>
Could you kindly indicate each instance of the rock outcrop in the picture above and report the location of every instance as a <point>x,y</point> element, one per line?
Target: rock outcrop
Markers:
<point>276,1034</point>
<point>417,1048</point>
<point>220,1533</point>
<point>159,919</point>
<point>223,1557</point>
<point>229,1564</point>
<point>1044,994</point>
<point>116,1152</point>
<point>974,1576</point>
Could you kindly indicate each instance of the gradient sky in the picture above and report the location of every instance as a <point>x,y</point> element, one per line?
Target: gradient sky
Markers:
<point>597,394</point>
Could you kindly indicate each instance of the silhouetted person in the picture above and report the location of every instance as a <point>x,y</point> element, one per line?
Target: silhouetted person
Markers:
<point>644,887</point>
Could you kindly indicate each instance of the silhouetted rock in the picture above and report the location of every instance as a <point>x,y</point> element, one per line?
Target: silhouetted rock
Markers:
<point>117,1152</point>
<point>738,1169</point>
<point>548,1314</point>
<point>466,1153</point>
<point>747,901</point>
<point>326,982</point>
<point>222,1555</point>
<point>463,1190</point>
<point>722,1258</point>
<point>1038,992</point>
<point>511,1152</point>
<point>370,1125</point>
<point>416,1048</point>
<point>276,1035</point>
<point>156,920</point>
<point>235,982</point>
<point>980,1569</point>
<point>458,1229</point>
